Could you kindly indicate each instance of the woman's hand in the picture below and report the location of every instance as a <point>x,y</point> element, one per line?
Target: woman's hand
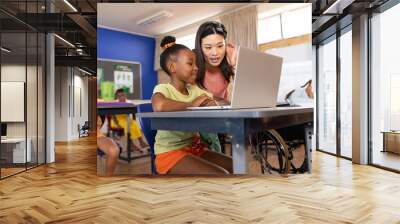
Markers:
<point>231,53</point>
<point>223,102</point>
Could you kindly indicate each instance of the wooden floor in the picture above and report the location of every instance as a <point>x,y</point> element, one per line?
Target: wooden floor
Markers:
<point>10,171</point>
<point>386,159</point>
<point>70,192</point>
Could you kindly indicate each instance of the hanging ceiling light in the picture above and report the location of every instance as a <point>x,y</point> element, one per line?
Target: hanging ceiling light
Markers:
<point>5,50</point>
<point>154,18</point>
<point>70,5</point>
<point>64,40</point>
<point>84,71</point>
<point>338,6</point>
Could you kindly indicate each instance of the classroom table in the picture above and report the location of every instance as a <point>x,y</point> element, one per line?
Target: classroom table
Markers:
<point>239,123</point>
<point>104,108</point>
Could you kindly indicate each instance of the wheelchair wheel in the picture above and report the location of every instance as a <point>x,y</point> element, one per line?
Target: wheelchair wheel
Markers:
<point>297,155</point>
<point>276,154</point>
<point>272,152</point>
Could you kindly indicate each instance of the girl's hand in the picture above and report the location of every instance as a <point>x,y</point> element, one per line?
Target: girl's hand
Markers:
<point>201,101</point>
<point>231,53</point>
<point>211,103</point>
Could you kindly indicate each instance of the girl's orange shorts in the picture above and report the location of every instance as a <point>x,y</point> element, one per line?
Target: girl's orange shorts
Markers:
<point>167,160</point>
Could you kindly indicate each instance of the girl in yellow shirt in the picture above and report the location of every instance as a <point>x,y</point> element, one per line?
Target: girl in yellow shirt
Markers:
<point>182,152</point>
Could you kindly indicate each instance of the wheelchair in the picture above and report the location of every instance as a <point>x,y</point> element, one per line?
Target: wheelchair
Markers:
<point>282,150</point>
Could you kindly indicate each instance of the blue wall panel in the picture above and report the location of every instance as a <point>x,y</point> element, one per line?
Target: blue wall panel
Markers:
<point>117,45</point>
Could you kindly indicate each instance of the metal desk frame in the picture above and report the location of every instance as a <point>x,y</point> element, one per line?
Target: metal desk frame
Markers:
<point>239,124</point>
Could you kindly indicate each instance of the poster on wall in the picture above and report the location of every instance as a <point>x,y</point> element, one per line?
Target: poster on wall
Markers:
<point>123,78</point>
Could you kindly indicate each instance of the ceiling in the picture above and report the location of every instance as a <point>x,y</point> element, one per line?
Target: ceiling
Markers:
<point>124,16</point>
<point>79,27</point>
<point>22,47</point>
<point>326,22</point>
<point>76,24</point>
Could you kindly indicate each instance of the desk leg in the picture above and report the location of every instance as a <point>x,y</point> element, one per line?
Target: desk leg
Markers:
<point>129,143</point>
<point>239,150</point>
<point>128,134</point>
<point>308,128</point>
<point>384,142</point>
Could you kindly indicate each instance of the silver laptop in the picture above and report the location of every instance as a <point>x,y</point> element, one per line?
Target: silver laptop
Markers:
<point>256,81</point>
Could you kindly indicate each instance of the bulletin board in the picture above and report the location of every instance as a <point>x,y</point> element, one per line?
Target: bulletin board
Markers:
<point>113,75</point>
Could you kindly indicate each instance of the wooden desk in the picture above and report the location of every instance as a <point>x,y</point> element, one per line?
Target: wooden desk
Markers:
<point>238,123</point>
<point>391,141</point>
<point>13,150</point>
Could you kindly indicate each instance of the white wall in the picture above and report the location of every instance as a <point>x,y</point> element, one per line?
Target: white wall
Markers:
<point>14,72</point>
<point>296,68</point>
<point>33,127</point>
<point>80,97</point>
<point>71,94</point>
<point>61,103</point>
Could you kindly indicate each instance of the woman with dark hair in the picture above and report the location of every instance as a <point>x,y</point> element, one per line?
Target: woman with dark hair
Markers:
<point>215,59</point>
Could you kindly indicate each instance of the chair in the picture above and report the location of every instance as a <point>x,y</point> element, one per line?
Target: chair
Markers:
<point>83,130</point>
<point>149,134</point>
<point>114,131</point>
<point>224,140</point>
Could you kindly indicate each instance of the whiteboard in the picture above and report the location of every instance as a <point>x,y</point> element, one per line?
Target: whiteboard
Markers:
<point>12,101</point>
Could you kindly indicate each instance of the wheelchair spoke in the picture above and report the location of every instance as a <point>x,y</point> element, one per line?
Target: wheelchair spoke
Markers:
<point>275,154</point>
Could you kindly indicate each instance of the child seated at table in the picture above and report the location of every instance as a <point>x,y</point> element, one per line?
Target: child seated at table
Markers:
<point>108,147</point>
<point>119,121</point>
<point>182,152</point>
<point>210,139</point>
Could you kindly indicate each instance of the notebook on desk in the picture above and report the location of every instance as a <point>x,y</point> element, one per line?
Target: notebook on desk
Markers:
<point>256,81</point>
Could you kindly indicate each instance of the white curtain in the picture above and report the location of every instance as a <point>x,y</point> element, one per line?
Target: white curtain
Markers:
<point>242,27</point>
<point>162,77</point>
<point>157,53</point>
